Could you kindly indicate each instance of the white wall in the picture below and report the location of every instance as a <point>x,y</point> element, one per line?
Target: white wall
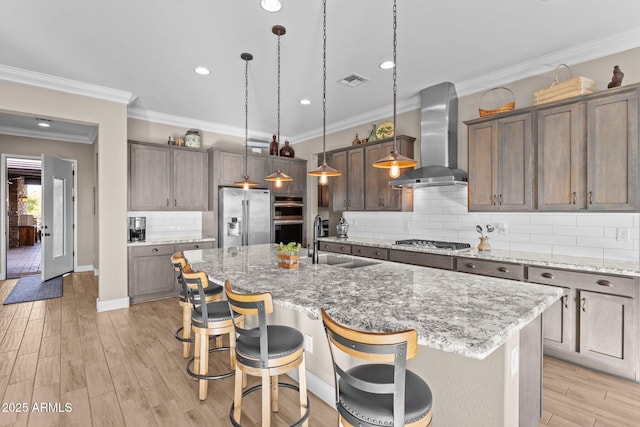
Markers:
<point>440,213</point>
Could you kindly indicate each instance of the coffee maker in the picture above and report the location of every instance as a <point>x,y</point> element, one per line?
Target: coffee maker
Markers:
<point>137,228</point>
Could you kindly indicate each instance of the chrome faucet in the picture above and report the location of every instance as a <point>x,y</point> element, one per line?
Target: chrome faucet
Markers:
<point>317,232</point>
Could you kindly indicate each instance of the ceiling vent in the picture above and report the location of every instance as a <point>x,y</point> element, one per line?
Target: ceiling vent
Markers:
<point>353,80</point>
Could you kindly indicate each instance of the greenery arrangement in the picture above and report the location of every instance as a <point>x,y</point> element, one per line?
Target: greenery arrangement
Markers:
<point>290,248</point>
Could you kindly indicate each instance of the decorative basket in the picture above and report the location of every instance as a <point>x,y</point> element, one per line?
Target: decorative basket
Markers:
<point>558,90</point>
<point>288,261</point>
<point>510,106</point>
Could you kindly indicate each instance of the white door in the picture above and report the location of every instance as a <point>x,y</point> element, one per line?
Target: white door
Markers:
<point>57,217</point>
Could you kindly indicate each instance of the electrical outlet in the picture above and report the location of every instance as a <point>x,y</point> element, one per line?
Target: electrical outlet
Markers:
<point>623,234</point>
<point>514,360</point>
<point>308,343</point>
<point>502,227</point>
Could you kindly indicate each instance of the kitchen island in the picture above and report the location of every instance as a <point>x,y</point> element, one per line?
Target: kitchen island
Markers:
<point>473,330</point>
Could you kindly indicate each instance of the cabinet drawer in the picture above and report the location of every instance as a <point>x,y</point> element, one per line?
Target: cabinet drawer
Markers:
<point>193,245</point>
<point>603,283</point>
<point>152,250</point>
<point>369,252</point>
<point>504,270</point>
<point>335,247</point>
<point>422,258</point>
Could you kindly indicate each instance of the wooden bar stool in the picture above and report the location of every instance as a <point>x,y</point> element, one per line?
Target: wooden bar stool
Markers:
<point>378,394</point>
<point>209,319</point>
<point>212,293</point>
<point>266,351</point>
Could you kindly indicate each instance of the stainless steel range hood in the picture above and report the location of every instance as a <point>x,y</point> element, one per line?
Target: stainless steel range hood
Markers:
<point>438,141</point>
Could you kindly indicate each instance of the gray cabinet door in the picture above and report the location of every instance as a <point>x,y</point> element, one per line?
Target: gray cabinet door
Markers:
<point>562,158</point>
<point>375,178</point>
<point>608,328</point>
<point>338,184</point>
<point>151,274</point>
<point>190,180</point>
<point>558,323</point>
<point>515,163</point>
<point>355,180</point>
<point>483,160</point>
<point>149,178</point>
<point>229,167</point>
<point>298,170</point>
<point>258,169</point>
<point>612,152</point>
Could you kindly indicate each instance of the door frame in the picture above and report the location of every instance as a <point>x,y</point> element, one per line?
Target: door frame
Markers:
<point>3,209</point>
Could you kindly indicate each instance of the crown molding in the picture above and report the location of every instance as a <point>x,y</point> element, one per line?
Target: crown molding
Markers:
<point>543,64</point>
<point>61,84</point>
<point>185,122</point>
<point>54,136</point>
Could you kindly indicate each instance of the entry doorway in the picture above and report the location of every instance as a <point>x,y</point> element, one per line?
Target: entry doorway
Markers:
<point>24,217</point>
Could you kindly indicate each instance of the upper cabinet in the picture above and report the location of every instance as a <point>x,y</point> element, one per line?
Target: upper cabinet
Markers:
<point>296,169</point>
<point>230,168</point>
<point>167,178</point>
<point>361,187</point>
<point>501,164</point>
<point>583,155</point>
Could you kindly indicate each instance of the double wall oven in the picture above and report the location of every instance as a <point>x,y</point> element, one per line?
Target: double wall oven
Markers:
<point>288,219</point>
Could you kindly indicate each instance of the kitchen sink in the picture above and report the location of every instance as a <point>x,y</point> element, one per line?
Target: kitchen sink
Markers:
<point>344,262</point>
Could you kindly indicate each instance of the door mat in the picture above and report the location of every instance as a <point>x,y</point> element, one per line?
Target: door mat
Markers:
<point>30,288</point>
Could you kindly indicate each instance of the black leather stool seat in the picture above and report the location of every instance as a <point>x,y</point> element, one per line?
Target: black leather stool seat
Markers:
<point>283,340</point>
<point>377,409</point>
<point>208,291</point>
<point>217,311</point>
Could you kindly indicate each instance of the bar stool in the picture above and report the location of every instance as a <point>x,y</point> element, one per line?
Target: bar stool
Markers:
<point>378,394</point>
<point>266,352</point>
<point>212,293</point>
<point>209,319</point>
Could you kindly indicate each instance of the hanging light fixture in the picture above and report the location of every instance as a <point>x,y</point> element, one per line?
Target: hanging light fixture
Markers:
<point>324,170</point>
<point>278,176</point>
<point>245,182</point>
<point>395,161</point>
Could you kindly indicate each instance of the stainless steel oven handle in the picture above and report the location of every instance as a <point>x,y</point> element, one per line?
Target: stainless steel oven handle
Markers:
<point>287,221</point>
<point>288,205</point>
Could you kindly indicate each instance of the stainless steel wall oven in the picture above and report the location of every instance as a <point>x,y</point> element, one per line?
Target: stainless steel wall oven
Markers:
<point>288,219</point>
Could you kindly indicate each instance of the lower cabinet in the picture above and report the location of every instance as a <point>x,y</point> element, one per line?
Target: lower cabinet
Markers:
<point>595,323</point>
<point>151,275</point>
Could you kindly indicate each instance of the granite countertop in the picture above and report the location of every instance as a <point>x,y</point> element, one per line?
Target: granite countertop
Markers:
<point>171,241</point>
<point>608,266</point>
<point>465,314</point>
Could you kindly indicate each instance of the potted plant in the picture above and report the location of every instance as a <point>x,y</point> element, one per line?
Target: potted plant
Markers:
<point>288,255</point>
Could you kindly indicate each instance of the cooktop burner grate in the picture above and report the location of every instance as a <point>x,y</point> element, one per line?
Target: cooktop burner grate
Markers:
<point>434,244</point>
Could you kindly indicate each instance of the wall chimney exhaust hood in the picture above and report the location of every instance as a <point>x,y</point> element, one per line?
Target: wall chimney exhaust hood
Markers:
<point>438,141</point>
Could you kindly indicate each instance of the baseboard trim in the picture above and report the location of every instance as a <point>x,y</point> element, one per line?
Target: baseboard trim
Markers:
<point>96,272</point>
<point>112,304</point>
<point>321,389</point>
<point>83,268</point>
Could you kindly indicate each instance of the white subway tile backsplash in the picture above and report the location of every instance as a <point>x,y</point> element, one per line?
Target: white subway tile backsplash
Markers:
<point>440,213</point>
<point>172,225</point>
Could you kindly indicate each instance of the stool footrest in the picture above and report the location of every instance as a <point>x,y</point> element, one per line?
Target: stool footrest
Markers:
<point>191,340</point>
<point>209,377</point>
<point>259,387</point>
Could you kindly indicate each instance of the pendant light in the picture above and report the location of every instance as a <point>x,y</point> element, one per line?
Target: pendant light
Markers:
<point>324,170</point>
<point>245,182</point>
<point>395,161</point>
<point>278,176</point>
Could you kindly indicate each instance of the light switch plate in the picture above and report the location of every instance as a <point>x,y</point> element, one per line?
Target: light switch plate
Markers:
<point>515,357</point>
<point>308,343</point>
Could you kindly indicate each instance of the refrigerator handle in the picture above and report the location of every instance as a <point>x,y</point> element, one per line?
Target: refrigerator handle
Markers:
<point>243,230</point>
<point>247,222</point>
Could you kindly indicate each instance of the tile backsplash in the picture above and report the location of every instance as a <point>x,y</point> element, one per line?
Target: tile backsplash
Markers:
<point>440,213</point>
<point>172,225</point>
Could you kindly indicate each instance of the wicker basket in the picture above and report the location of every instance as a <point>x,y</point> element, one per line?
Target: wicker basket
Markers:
<point>558,90</point>
<point>510,106</point>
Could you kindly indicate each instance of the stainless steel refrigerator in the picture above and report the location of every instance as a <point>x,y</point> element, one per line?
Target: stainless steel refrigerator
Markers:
<point>244,217</point>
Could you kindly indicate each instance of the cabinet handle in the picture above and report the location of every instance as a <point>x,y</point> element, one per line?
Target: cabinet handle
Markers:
<point>167,202</point>
<point>471,266</point>
<point>503,269</point>
<point>196,246</point>
<point>604,283</point>
<point>175,202</point>
<point>565,301</point>
<point>342,248</point>
<point>590,197</point>
<point>359,251</point>
<point>344,203</point>
<point>154,250</point>
<point>548,275</point>
<point>574,198</point>
<point>378,253</point>
<point>500,200</point>
<point>584,304</point>
<point>493,201</point>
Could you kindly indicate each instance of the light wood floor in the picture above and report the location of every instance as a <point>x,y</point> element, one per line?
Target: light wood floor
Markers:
<point>124,367</point>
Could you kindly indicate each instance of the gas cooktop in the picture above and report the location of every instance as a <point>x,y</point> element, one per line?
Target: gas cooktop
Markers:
<point>434,244</point>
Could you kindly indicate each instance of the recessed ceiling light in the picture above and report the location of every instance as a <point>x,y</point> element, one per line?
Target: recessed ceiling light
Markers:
<point>204,71</point>
<point>386,65</point>
<point>44,123</point>
<point>271,5</point>
<point>305,101</point>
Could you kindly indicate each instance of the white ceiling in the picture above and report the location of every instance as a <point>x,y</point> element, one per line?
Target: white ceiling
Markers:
<point>150,48</point>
